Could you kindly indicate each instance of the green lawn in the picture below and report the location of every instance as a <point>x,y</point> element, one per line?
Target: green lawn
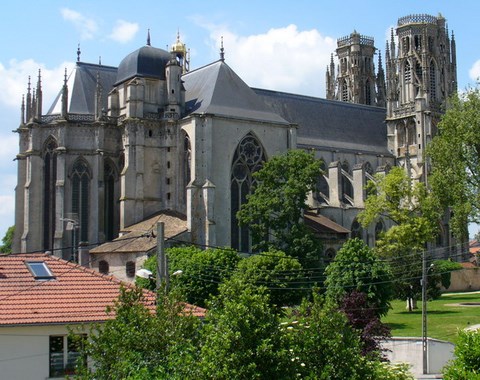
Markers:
<point>443,320</point>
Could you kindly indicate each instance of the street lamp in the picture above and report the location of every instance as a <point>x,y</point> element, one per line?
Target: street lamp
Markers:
<point>72,225</point>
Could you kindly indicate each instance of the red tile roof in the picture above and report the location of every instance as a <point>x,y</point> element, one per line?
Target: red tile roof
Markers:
<point>76,294</point>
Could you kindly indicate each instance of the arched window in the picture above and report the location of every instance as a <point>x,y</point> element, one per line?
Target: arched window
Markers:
<point>130,269</point>
<point>103,267</point>
<point>329,255</point>
<point>187,151</point>
<point>109,177</point>
<point>322,190</point>
<point>407,72</point>
<point>379,229</point>
<point>248,158</point>
<point>344,91</point>
<point>347,188</point>
<point>401,135</point>
<point>80,196</point>
<point>368,93</point>
<point>356,230</point>
<point>411,133</point>
<point>49,182</point>
<point>419,73</point>
<point>433,82</point>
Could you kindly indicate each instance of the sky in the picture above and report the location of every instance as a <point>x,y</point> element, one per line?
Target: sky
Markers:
<point>271,44</point>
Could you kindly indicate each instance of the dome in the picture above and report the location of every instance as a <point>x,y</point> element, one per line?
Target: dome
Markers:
<point>145,62</point>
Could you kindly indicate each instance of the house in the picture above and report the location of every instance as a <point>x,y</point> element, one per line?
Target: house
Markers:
<point>40,297</point>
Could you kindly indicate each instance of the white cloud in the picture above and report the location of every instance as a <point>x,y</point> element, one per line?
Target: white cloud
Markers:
<point>474,71</point>
<point>284,59</point>
<point>124,31</point>
<point>14,81</point>
<point>86,26</point>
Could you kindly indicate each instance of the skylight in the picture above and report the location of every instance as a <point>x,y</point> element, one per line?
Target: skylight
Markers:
<point>40,270</point>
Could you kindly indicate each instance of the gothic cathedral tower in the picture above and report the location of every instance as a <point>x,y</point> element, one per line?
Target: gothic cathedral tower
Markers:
<point>421,75</point>
<point>356,81</point>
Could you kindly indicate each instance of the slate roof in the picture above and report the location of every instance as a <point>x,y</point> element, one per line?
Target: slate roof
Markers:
<point>76,294</point>
<point>217,89</point>
<point>141,237</point>
<point>147,61</point>
<point>331,124</point>
<point>82,84</point>
<point>320,223</point>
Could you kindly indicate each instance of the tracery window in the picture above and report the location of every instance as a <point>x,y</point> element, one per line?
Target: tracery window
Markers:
<point>368,93</point>
<point>80,197</point>
<point>248,158</point>
<point>329,255</point>
<point>356,231</point>
<point>187,151</point>
<point>344,91</point>
<point>433,81</point>
<point>49,182</point>
<point>407,72</point>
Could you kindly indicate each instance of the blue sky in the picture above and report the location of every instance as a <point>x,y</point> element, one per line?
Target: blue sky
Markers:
<point>282,45</point>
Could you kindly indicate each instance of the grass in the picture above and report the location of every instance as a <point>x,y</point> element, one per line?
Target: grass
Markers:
<point>443,318</point>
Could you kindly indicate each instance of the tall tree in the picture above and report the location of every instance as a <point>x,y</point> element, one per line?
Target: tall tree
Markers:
<point>356,268</point>
<point>138,344</point>
<point>415,213</point>
<point>274,212</point>
<point>242,336</point>
<point>455,156</point>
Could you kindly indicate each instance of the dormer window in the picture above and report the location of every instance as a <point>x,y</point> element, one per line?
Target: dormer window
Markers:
<point>39,270</point>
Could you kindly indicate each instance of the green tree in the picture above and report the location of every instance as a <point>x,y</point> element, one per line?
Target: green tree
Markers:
<point>281,274</point>
<point>324,346</point>
<point>415,213</point>
<point>202,271</point>
<point>466,365</point>
<point>455,156</point>
<point>7,240</point>
<point>138,344</point>
<point>357,268</point>
<point>242,336</point>
<point>274,212</point>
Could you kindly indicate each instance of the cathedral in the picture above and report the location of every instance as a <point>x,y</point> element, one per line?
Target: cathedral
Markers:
<point>123,147</point>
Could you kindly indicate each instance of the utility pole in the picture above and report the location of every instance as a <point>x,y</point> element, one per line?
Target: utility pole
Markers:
<point>424,312</point>
<point>162,266</point>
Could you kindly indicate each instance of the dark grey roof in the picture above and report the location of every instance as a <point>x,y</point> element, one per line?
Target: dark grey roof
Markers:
<point>331,124</point>
<point>147,61</point>
<point>217,89</point>
<point>82,84</point>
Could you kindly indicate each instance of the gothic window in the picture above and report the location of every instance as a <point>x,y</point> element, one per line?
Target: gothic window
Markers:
<point>412,134</point>
<point>418,42</point>
<point>356,231</point>
<point>407,72</point>
<point>103,267</point>
<point>401,135</point>
<point>406,45</point>
<point>433,82</point>
<point>109,178</point>
<point>322,189</point>
<point>418,72</point>
<point>347,188</point>
<point>329,255</point>
<point>49,181</point>
<point>187,151</point>
<point>248,158</point>
<point>130,269</point>
<point>344,91</point>
<point>368,93</point>
<point>379,229</point>
<point>80,196</point>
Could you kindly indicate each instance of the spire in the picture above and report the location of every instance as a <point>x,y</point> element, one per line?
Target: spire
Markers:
<point>38,114</point>
<point>78,53</point>
<point>22,111</point>
<point>65,96</point>
<point>29,101</point>
<point>100,60</point>
<point>381,88</point>
<point>148,38</point>
<point>392,44</point>
<point>222,51</point>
